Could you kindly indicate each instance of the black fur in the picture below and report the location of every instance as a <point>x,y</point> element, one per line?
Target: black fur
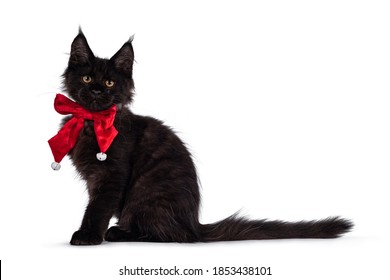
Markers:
<point>149,181</point>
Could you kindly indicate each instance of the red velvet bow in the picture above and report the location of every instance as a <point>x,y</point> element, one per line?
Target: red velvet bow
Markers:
<point>66,138</point>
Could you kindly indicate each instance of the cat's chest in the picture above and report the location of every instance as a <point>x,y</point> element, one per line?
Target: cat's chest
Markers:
<point>86,148</point>
<point>83,154</point>
<point>86,145</point>
<point>88,131</point>
<point>87,135</point>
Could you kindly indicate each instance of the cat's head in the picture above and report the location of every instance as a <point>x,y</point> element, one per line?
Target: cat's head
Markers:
<point>97,83</point>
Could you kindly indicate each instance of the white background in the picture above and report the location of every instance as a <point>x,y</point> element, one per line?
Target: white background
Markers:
<point>284,104</point>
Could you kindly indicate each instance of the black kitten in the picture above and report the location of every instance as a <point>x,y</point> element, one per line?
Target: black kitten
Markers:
<point>149,180</point>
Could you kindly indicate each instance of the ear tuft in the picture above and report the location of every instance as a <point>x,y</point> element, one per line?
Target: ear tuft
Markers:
<point>80,51</point>
<point>124,58</point>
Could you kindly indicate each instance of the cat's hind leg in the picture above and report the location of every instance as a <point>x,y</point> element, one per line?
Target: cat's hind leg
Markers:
<point>115,234</point>
<point>147,227</point>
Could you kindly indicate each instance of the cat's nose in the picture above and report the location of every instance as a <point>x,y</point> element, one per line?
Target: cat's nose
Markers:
<point>96,92</point>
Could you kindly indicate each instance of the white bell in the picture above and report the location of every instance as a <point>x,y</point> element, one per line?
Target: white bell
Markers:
<point>55,165</point>
<point>101,156</point>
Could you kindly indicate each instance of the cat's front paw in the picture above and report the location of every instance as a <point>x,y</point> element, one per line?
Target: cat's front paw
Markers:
<point>84,237</point>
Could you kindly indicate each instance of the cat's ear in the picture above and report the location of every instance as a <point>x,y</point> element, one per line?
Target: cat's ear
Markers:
<point>80,52</point>
<point>124,58</point>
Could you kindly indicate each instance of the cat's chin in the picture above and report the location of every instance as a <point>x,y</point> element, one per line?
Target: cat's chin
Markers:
<point>94,105</point>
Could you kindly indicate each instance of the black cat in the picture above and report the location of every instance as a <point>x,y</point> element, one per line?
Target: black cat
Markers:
<point>148,180</point>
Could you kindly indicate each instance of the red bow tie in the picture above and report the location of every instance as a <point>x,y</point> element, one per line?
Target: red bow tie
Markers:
<point>66,138</point>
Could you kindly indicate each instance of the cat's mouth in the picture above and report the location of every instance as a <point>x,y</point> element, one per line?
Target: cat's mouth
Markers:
<point>94,105</point>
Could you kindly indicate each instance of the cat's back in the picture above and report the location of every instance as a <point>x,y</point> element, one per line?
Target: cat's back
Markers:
<point>155,138</point>
<point>156,144</point>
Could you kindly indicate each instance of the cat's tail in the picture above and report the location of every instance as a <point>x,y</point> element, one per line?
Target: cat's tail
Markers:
<point>238,228</point>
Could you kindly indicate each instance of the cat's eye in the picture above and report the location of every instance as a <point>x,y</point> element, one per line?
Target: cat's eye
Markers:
<point>86,79</point>
<point>109,83</point>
